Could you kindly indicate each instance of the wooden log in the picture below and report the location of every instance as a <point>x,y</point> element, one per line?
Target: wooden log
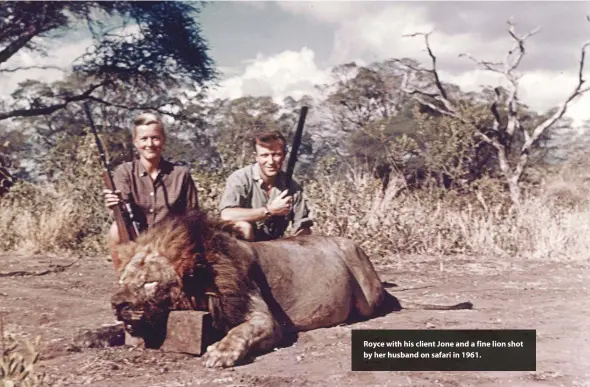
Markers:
<point>186,332</point>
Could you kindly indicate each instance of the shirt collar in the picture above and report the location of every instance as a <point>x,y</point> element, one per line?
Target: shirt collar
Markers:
<point>258,179</point>
<point>165,168</point>
<point>256,172</point>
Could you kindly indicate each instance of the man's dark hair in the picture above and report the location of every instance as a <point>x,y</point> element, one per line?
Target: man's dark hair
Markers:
<point>266,138</point>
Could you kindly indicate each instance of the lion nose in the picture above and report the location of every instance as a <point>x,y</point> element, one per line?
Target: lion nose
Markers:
<point>117,299</point>
<point>123,310</point>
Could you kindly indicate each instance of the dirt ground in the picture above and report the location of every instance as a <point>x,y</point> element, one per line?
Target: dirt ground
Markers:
<point>549,297</point>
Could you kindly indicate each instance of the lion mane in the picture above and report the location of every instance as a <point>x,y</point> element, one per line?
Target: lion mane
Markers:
<point>197,248</point>
<point>256,292</point>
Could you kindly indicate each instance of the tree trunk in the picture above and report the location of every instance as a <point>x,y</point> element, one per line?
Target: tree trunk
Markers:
<point>514,190</point>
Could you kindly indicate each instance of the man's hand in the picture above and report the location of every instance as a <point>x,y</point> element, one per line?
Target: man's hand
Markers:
<point>281,205</point>
<point>111,199</point>
<point>303,231</point>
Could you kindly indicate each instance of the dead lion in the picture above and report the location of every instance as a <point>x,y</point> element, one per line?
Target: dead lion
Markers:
<point>256,292</point>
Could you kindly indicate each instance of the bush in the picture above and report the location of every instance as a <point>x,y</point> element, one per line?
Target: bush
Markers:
<point>446,222</point>
<point>68,216</point>
<point>65,216</point>
<point>18,364</point>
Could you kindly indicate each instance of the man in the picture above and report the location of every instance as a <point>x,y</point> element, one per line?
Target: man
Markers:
<point>155,187</point>
<point>257,199</point>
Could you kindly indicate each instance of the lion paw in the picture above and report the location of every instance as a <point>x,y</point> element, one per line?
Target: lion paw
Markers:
<point>224,354</point>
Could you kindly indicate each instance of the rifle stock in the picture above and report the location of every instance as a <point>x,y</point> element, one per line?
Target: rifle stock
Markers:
<point>123,212</point>
<point>128,229</point>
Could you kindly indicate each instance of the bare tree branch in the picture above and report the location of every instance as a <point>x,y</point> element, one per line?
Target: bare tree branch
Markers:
<point>538,131</point>
<point>434,71</point>
<point>491,66</point>
<point>501,143</point>
<point>44,110</point>
<point>494,109</point>
<point>19,43</point>
<point>519,44</point>
<point>509,67</point>
<point>158,109</point>
<point>22,68</point>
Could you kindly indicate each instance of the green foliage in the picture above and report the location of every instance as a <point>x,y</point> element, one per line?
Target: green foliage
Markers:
<point>431,168</point>
<point>169,31</point>
<point>210,187</point>
<point>232,123</point>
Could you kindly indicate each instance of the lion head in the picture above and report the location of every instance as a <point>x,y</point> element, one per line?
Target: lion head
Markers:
<point>182,263</point>
<point>148,289</point>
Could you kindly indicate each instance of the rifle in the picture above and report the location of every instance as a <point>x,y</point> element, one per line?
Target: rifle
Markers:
<point>295,146</point>
<point>123,212</point>
<point>291,163</point>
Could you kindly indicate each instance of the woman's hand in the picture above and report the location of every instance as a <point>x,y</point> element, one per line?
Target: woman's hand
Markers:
<point>111,199</point>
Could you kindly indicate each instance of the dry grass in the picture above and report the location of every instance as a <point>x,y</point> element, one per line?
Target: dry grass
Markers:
<point>64,217</point>
<point>547,227</point>
<point>552,223</point>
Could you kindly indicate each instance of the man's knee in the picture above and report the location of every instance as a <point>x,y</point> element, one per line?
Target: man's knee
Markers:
<point>113,241</point>
<point>113,235</point>
<point>246,229</point>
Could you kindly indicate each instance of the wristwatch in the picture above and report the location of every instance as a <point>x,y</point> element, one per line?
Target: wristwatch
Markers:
<point>267,213</point>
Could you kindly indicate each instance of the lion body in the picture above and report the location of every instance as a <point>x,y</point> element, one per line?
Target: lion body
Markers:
<point>256,291</point>
<point>317,281</point>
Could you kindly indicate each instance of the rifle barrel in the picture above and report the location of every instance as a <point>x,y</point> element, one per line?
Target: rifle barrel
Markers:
<point>128,227</point>
<point>296,144</point>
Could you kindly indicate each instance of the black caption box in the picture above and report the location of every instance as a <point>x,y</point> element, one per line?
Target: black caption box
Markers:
<point>444,350</point>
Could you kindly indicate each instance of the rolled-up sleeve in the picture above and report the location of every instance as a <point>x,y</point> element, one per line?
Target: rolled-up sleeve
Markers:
<point>122,181</point>
<point>234,194</point>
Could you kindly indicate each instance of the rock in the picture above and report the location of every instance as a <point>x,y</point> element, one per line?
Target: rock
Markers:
<point>188,332</point>
<point>111,335</point>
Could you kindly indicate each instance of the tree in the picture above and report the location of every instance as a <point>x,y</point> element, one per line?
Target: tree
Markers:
<point>166,46</point>
<point>506,123</point>
<point>358,100</point>
<point>52,139</point>
<point>232,122</point>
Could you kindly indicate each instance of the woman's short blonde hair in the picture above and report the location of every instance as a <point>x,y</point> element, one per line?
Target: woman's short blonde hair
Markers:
<point>148,119</point>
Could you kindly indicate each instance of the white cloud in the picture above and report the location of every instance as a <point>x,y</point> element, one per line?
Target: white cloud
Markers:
<point>256,4</point>
<point>540,90</point>
<point>364,33</point>
<point>544,90</point>
<point>289,73</point>
<point>59,55</point>
<point>325,11</point>
<point>374,33</point>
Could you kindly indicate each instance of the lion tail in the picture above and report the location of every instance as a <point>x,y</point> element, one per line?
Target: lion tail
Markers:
<point>390,304</point>
<point>459,306</point>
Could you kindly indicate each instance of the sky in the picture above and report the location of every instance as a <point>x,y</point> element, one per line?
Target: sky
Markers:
<point>282,48</point>
<point>285,48</point>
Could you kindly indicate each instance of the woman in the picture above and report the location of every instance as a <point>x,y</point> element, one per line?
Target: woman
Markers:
<point>155,187</point>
